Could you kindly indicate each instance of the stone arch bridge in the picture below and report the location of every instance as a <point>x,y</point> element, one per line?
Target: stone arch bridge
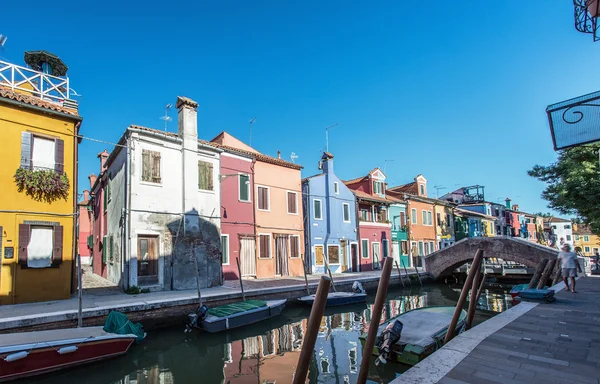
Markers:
<point>444,261</point>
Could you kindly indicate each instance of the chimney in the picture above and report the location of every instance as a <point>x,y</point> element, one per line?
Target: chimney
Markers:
<point>516,207</point>
<point>279,154</point>
<point>92,178</point>
<point>327,162</point>
<point>187,120</point>
<point>103,156</point>
<point>86,195</point>
<point>508,203</point>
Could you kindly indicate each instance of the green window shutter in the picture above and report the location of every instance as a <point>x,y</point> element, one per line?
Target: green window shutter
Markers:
<point>105,197</point>
<point>104,246</point>
<point>90,241</point>
<point>243,187</point>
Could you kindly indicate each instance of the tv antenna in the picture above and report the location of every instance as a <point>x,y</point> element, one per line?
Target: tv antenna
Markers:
<point>385,164</point>
<point>327,135</point>
<point>251,122</point>
<point>437,190</point>
<point>166,117</point>
<point>3,40</point>
<point>74,93</point>
<point>293,157</point>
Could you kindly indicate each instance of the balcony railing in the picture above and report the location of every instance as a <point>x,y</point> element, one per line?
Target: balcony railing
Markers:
<point>34,83</point>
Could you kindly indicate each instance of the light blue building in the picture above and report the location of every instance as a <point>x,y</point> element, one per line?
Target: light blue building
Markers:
<point>330,229</point>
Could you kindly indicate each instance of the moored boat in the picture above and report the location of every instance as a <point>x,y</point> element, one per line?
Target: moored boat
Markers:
<point>337,298</point>
<point>514,292</point>
<point>224,317</point>
<point>34,353</point>
<point>537,294</point>
<point>421,332</point>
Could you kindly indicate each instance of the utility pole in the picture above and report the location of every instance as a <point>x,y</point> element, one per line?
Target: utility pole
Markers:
<point>327,135</point>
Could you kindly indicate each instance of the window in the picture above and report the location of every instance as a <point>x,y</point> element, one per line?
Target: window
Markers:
<point>318,214</point>
<point>386,245</point>
<point>205,176</point>
<point>424,217</point>
<point>448,220</point>
<point>595,251</point>
<point>292,203</point>
<point>497,212</point>
<point>43,153</point>
<point>431,247</point>
<point>586,238</point>
<point>567,226</point>
<point>225,248</point>
<point>439,219</point>
<point>587,249</point>
<point>244,187</point>
<point>402,219</point>
<point>429,218</point>
<point>40,247</point>
<point>576,237</point>
<point>263,198</point>
<point>264,246</point>
<point>378,187</point>
<point>422,189</point>
<point>336,187</point>
<point>568,237</point>
<point>294,246</point>
<point>426,249</point>
<point>346,212</point>
<point>404,247</point>
<point>413,216</point>
<point>364,215</point>
<point>333,254</point>
<point>554,227</point>
<point>364,248</point>
<point>381,215</point>
<point>421,248</point>
<point>150,166</point>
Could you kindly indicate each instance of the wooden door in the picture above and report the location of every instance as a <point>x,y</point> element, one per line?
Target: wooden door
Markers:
<point>248,256</point>
<point>376,255</point>
<point>354,255</point>
<point>319,255</point>
<point>344,255</point>
<point>147,260</point>
<point>396,251</point>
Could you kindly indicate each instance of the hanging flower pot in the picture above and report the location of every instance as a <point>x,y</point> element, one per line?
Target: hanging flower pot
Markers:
<point>593,7</point>
<point>44,185</point>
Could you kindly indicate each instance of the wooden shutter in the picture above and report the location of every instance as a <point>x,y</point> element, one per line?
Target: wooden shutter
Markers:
<point>201,173</point>
<point>318,254</point>
<point>294,242</point>
<point>291,202</point>
<point>24,232</point>
<point>209,176</point>
<point>59,155</point>
<point>26,150</point>
<point>156,167</point>
<point>57,251</point>
<point>146,174</point>
<point>104,246</point>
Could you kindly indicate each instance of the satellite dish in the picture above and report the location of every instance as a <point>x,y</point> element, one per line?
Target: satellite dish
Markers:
<point>3,40</point>
<point>293,157</point>
<point>320,165</point>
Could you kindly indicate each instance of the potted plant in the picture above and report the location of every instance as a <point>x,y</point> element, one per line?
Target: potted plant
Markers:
<point>45,185</point>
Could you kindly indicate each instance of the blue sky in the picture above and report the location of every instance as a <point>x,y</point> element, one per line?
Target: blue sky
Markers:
<point>455,91</point>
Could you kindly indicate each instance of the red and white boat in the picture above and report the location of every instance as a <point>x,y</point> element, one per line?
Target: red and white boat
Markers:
<point>33,353</point>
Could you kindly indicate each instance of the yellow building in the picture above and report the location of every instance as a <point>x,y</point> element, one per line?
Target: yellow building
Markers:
<point>39,180</point>
<point>444,220</point>
<point>489,227</point>
<point>585,241</point>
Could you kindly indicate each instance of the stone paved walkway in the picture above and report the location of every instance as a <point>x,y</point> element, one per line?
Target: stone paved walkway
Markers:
<point>550,343</point>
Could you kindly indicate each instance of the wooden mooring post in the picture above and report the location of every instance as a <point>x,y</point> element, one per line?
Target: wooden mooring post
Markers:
<point>406,271</point>
<point>537,274</point>
<point>547,272</point>
<point>312,330</point>
<point>473,298</point>
<point>463,295</point>
<point>399,273</point>
<point>305,278</point>
<point>241,282</point>
<point>384,281</point>
<point>418,276</point>
<point>558,275</point>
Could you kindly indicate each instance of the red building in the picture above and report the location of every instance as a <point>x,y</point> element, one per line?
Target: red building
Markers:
<point>374,225</point>
<point>99,222</point>
<point>237,211</point>
<point>84,208</point>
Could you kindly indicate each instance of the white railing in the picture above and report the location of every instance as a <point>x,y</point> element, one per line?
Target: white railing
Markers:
<point>37,84</point>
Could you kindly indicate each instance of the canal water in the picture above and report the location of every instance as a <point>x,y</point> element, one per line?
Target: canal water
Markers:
<point>267,352</point>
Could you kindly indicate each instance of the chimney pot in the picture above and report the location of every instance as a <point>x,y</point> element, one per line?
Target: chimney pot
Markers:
<point>279,154</point>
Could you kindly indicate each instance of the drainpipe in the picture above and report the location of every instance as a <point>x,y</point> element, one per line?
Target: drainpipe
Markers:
<point>359,250</point>
<point>328,221</point>
<point>127,238</point>
<point>75,210</point>
<point>253,200</point>
<point>307,228</point>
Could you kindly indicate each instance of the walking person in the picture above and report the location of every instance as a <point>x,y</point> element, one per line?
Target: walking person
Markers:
<point>569,265</point>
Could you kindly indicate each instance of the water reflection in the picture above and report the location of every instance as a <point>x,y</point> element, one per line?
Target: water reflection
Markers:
<point>267,352</point>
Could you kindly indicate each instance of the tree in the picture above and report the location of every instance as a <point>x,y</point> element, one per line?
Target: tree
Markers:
<point>541,214</point>
<point>573,184</point>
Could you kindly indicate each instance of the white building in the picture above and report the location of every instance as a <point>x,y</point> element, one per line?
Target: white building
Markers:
<point>561,231</point>
<point>163,207</point>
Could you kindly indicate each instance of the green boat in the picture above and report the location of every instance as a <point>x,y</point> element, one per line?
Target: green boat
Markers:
<point>423,333</point>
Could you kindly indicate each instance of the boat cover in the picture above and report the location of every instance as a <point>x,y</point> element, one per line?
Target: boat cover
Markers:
<point>233,308</point>
<point>118,323</point>
<point>420,325</point>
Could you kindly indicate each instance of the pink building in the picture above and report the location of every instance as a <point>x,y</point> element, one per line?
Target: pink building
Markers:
<point>374,225</point>
<point>237,213</point>
<point>85,228</point>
